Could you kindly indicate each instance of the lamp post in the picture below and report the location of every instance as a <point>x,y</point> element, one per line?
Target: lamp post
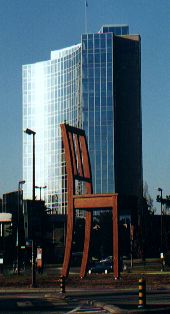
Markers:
<point>160,190</point>
<point>31,132</point>
<point>18,223</point>
<point>40,188</point>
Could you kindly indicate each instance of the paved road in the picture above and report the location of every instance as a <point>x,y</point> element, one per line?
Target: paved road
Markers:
<point>33,302</point>
<point>128,300</point>
<point>77,301</point>
<point>46,303</point>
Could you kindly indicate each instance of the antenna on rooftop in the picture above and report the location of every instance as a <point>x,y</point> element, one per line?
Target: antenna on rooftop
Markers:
<point>85,15</point>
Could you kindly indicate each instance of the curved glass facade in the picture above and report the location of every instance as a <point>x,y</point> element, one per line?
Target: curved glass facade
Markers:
<point>51,95</point>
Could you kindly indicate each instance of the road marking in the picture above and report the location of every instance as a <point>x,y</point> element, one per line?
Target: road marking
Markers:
<point>24,303</point>
<point>72,311</point>
<point>88,310</point>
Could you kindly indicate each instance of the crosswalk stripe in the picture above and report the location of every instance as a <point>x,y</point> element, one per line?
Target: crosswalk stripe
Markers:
<point>24,303</point>
<point>88,310</point>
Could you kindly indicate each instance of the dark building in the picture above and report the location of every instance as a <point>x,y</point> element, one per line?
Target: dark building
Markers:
<point>11,205</point>
<point>128,124</point>
<point>10,202</point>
<point>154,234</point>
<point>55,238</point>
<point>0,205</point>
<point>27,220</point>
<point>34,220</point>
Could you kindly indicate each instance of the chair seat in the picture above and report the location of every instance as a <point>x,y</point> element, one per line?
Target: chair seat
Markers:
<point>91,201</point>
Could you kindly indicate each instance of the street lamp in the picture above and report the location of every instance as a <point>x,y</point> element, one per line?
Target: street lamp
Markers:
<point>40,187</point>
<point>31,132</point>
<point>160,190</point>
<point>20,183</point>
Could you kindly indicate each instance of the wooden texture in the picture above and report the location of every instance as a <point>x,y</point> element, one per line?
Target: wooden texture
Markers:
<point>78,168</point>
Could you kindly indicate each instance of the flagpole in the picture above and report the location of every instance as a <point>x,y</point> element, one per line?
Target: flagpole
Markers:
<point>86,5</point>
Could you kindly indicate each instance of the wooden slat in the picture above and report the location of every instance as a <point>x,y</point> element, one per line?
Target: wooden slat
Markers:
<point>73,155</point>
<point>93,201</point>
<point>79,157</point>
<point>86,160</point>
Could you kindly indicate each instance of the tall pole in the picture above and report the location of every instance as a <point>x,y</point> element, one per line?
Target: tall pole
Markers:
<point>160,190</point>
<point>33,197</point>
<point>18,224</point>
<point>85,15</point>
<point>131,244</point>
<point>31,132</point>
<point>162,253</point>
<point>161,224</point>
<point>33,169</point>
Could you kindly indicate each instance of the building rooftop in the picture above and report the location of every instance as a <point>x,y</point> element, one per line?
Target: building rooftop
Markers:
<point>116,29</point>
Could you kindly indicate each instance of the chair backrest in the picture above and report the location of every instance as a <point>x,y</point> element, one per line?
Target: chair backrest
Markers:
<point>77,158</point>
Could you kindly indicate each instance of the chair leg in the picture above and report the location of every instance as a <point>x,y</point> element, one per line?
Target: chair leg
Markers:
<point>115,241</point>
<point>69,240</point>
<point>88,225</point>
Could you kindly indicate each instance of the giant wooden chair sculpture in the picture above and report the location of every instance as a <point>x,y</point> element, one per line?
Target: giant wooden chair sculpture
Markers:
<point>78,168</point>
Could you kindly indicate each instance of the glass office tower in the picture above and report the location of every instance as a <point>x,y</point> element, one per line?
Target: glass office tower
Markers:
<point>94,85</point>
<point>98,107</point>
<point>51,95</point>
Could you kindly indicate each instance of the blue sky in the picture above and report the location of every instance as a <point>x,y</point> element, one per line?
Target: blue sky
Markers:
<point>30,29</point>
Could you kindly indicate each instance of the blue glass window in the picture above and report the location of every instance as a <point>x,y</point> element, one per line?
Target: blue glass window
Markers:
<point>84,85</point>
<point>103,73</point>
<point>90,58</point>
<point>103,118</point>
<point>97,83</point>
<point>109,43</point>
<point>97,72</point>
<point>109,73</point>
<point>97,100</point>
<point>97,57</point>
<point>91,118</point>
<point>97,117</point>
<point>84,44</point>
<point>85,98</point>
<point>84,59</point>
<point>91,86</point>
<point>98,188</point>
<point>90,36</point>
<point>125,30</point>
<point>96,42</point>
<point>84,72</point>
<point>102,37</point>
<point>103,43</point>
<point>91,72</point>
<point>91,101</point>
<point>103,57</point>
<point>90,44</point>
<point>109,57</point>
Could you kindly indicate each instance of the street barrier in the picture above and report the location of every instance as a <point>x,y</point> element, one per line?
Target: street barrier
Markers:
<point>142,293</point>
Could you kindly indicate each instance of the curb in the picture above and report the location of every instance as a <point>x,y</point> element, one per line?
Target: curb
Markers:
<point>30,290</point>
